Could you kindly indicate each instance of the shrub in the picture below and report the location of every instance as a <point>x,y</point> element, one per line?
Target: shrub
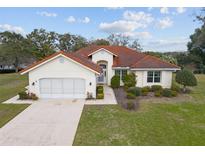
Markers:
<point>134,90</point>
<point>23,95</point>
<point>144,91</point>
<point>156,88</point>
<point>186,78</point>
<point>130,105</point>
<point>130,96</point>
<point>167,92</point>
<point>129,80</point>
<point>100,96</point>
<point>100,89</point>
<point>175,87</point>
<point>115,81</point>
<point>33,96</point>
<point>174,93</point>
<point>157,93</point>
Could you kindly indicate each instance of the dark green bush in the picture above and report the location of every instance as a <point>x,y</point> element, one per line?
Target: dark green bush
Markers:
<point>23,95</point>
<point>130,96</point>
<point>156,88</point>
<point>130,105</point>
<point>167,92</point>
<point>157,93</point>
<point>134,90</point>
<point>129,80</point>
<point>100,89</point>
<point>175,87</point>
<point>115,81</point>
<point>186,78</point>
<point>100,96</point>
<point>174,93</point>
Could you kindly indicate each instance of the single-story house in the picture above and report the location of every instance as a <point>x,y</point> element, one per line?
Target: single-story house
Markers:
<point>74,75</point>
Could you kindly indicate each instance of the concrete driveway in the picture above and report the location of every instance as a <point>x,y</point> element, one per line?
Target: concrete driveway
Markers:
<point>47,122</point>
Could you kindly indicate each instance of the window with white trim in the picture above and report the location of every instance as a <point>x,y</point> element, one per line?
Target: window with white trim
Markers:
<point>121,73</point>
<point>153,76</point>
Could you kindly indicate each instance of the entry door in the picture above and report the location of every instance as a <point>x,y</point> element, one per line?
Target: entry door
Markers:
<point>103,76</point>
<point>62,88</point>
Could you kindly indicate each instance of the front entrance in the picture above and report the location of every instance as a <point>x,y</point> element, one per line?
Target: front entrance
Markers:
<point>102,78</point>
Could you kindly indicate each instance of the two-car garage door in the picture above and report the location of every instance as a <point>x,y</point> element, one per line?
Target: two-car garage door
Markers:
<point>62,88</point>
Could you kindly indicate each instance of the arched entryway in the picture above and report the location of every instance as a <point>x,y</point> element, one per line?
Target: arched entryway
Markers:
<point>102,78</point>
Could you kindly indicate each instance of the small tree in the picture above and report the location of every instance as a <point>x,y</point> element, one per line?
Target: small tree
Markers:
<point>186,78</point>
<point>129,80</point>
<point>115,81</point>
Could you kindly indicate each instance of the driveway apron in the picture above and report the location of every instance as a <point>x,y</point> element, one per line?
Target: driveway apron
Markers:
<point>47,122</point>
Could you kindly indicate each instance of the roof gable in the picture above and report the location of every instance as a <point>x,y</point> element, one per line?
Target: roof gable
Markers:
<point>98,50</point>
<point>127,57</point>
<point>76,59</point>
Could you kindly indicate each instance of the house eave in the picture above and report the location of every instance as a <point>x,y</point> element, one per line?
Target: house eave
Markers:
<point>162,69</point>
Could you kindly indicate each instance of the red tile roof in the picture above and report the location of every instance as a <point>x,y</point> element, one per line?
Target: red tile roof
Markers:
<point>127,57</point>
<point>77,58</point>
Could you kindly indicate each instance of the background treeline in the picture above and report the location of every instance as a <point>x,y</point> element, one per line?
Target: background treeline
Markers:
<point>17,51</point>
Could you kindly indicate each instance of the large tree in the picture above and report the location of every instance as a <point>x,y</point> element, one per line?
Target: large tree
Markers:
<point>15,49</point>
<point>118,39</point>
<point>45,43</point>
<point>197,44</point>
<point>100,42</point>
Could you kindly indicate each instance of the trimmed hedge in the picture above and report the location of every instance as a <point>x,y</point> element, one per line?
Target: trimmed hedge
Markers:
<point>145,90</point>
<point>156,88</point>
<point>157,94</point>
<point>100,96</point>
<point>134,90</point>
<point>174,93</point>
<point>100,92</point>
<point>167,92</point>
<point>130,96</point>
<point>115,81</point>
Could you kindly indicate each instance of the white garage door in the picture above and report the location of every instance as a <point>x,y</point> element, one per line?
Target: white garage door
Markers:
<point>62,88</point>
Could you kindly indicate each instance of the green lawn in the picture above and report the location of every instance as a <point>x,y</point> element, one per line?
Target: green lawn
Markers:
<point>158,123</point>
<point>9,111</point>
<point>10,85</point>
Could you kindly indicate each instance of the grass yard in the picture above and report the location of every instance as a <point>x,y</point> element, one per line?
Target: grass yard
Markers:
<point>11,84</point>
<point>9,111</point>
<point>155,123</point>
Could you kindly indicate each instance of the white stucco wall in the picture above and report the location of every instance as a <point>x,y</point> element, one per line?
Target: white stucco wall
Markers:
<point>166,79</point>
<point>106,56</point>
<point>67,69</point>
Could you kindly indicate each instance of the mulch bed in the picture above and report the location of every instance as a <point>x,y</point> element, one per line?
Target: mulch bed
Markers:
<point>122,100</point>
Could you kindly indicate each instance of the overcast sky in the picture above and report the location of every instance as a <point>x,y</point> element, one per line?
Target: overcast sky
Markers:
<point>158,29</point>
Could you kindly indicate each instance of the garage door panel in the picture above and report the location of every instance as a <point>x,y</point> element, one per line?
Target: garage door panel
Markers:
<point>79,86</point>
<point>45,86</point>
<point>56,86</point>
<point>68,85</point>
<point>62,88</point>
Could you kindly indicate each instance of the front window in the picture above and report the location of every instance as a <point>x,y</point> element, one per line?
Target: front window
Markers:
<point>121,73</point>
<point>153,76</point>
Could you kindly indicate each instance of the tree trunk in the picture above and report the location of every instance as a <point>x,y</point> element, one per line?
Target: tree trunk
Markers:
<point>16,69</point>
<point>184,89</point>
